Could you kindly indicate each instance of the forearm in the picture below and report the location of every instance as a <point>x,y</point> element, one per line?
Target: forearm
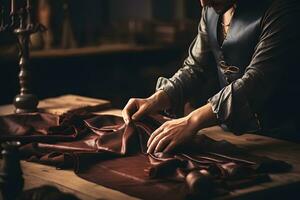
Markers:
<point>202,117</point>
<point>194,74</point>
<point>162,99</point>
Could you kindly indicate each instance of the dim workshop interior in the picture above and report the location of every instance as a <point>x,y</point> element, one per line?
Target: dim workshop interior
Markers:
<point>149,99</point>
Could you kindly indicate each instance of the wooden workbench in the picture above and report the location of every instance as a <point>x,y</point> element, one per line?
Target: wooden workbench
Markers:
<point>281,185</point>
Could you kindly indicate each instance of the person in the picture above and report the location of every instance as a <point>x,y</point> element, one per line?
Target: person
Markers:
<point>245,57</point>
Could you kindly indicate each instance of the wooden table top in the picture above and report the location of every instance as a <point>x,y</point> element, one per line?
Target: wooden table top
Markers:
<point>36,175</point>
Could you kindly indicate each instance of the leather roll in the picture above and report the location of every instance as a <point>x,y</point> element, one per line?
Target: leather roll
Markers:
<point>200,184</point>
<point>165,169</point>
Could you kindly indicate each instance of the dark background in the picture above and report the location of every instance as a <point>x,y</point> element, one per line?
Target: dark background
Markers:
<point>118,75</point>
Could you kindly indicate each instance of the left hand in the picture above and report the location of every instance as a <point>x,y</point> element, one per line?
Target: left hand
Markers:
<point>172,134</point>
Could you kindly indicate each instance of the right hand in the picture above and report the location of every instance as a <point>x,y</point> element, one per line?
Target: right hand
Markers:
<point>137,108</point>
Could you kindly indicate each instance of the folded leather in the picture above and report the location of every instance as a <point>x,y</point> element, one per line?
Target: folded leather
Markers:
<point>102,149</point>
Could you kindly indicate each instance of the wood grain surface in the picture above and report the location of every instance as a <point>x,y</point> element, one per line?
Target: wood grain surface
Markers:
<point>287,183</point>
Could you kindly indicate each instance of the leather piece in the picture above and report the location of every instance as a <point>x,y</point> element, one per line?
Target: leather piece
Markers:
<point>106,151</point>
<point>41,126</point>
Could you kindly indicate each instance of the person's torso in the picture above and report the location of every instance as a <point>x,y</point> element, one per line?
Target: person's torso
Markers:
<point>235,55</point>
<point>239,45</point>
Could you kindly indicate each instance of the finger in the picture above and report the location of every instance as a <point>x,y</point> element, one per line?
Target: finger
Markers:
<point>128,110</point>
<point>155,141</point>
<point>170,147</point>
<point>154,134</point>
<point>126,116</point>
<point>162,144</point>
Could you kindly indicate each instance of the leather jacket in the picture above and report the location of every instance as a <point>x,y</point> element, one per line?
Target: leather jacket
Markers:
<point>251,78</point>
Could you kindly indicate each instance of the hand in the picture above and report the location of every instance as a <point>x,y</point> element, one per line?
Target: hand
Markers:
<point>172,134</point>
<point>137,108</point>
<point>180,131</point>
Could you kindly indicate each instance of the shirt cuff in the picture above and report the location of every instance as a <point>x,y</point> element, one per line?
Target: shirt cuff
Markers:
<point>232,108</point>
<point>176,97</point>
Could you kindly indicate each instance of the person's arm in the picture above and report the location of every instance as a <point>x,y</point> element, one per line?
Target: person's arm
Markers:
<point>196,72</point>
<point>170,93</point>
<point>271,66</point>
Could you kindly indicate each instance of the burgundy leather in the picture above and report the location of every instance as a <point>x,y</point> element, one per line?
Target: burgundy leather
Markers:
<point>104,150</point>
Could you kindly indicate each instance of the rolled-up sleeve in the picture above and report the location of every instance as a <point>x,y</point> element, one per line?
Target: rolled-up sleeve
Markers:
<point>193,72</point>
<point>236,105</point>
